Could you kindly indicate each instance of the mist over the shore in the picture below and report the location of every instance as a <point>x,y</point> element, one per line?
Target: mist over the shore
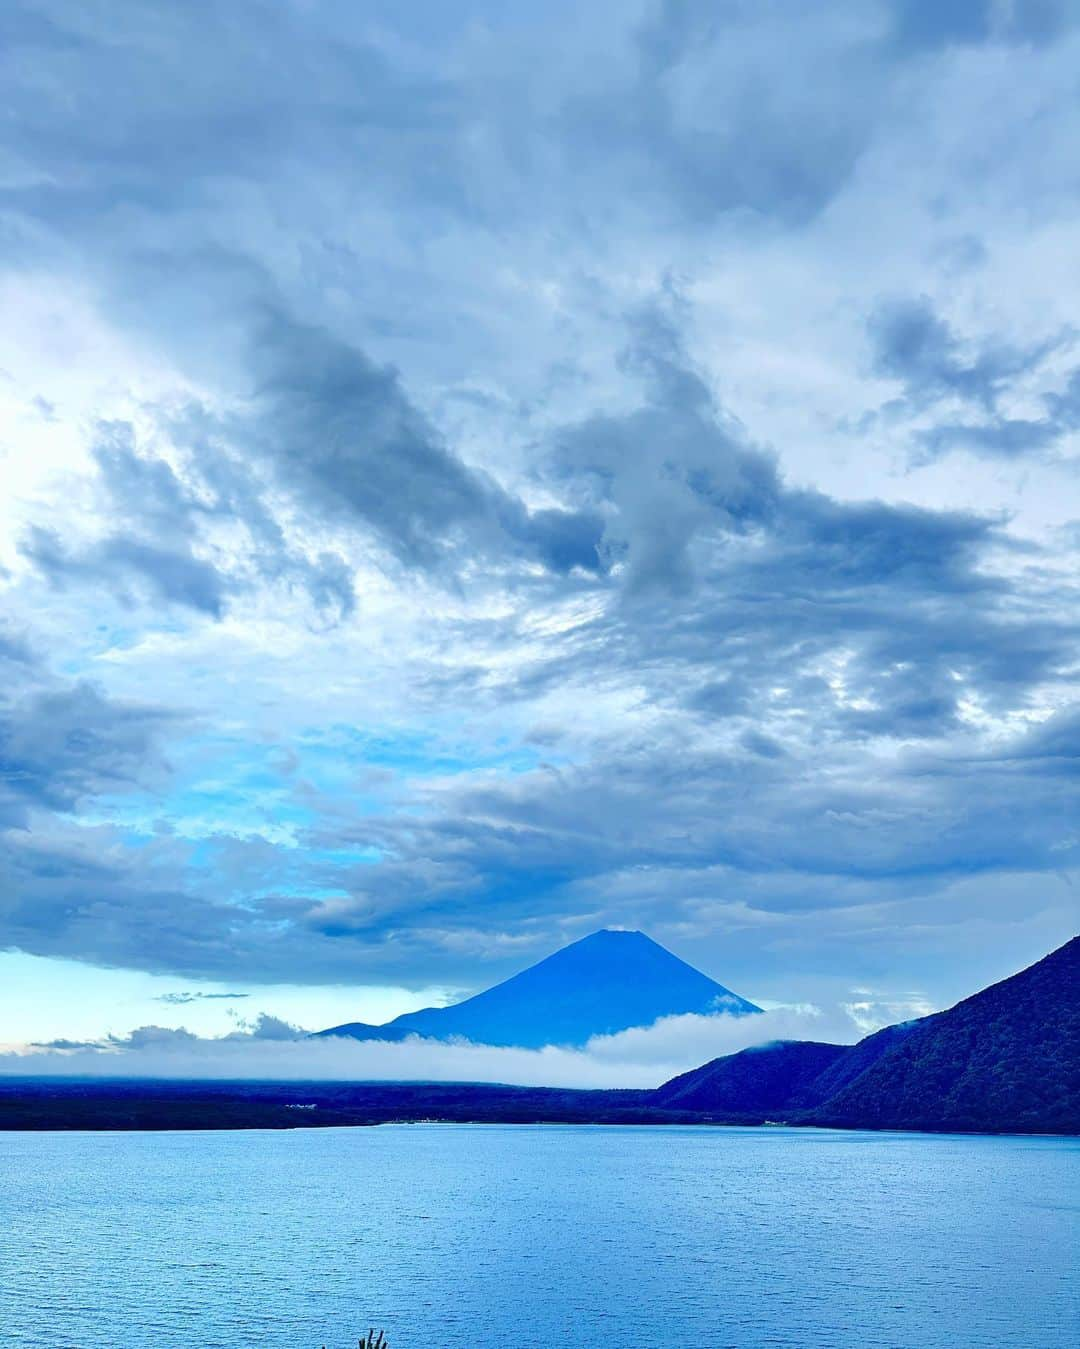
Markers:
<point>642,1057</point>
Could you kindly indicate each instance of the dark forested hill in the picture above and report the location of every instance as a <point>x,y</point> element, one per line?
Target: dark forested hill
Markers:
<point>855,1060</point>
<point>766,1078</point>
<point>1005,1060</point>
<point>784,1078</point>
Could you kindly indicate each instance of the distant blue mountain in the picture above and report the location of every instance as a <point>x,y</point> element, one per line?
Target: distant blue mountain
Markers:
<point>604,983</point>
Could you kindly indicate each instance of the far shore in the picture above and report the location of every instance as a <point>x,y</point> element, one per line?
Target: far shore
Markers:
<point>159,1105</point>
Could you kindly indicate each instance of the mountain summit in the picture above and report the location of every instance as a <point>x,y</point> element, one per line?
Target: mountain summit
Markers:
<point>604,983</point>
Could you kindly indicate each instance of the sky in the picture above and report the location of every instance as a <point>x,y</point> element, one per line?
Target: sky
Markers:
<point>475,474</point>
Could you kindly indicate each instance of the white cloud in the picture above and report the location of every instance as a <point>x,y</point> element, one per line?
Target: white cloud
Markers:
<point>643,1057</point>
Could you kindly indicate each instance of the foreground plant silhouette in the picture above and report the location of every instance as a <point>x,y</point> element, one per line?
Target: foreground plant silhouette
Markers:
<point>374,1339</point>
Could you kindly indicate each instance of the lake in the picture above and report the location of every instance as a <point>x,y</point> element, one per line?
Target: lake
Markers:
<point>507,1237</point>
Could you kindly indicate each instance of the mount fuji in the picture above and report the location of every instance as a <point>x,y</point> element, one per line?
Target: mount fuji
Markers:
<point>607,982</point>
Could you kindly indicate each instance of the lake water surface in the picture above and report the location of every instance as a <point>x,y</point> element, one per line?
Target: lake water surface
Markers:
<point>518,1236</point>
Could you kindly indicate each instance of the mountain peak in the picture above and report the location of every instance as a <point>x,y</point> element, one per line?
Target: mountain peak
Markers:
<point>607,936</point>
<point>608,939</point>
<point>615,934</point>
<point>606,982</point>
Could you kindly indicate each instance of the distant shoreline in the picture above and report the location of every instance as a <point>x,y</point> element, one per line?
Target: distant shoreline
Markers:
<point>66,1105</point>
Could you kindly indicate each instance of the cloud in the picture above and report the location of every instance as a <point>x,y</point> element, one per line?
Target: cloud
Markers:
<point>170,521</point>
<point>836,626</point>
<point>180,999</point>
<point>62,743</point>
<point>65,1045</point>
<point>872,1012</point>
<point>267,1027</point>
<point>343,433</point>
<point>445,514</point>
<point>327,425</point>
<point>272,1050</point>
<point>914,345</point>
<point>920,28</point>
<point>675,475</point>
<point>169,575</point>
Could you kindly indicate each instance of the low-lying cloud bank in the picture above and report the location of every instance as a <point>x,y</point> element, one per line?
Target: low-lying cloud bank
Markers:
<point>272,1049</point>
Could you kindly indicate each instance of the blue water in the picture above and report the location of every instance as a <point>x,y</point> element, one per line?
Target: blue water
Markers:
<point>512,1237</point>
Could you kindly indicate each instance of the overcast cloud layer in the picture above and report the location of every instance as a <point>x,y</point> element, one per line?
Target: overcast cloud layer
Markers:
<point>478,473</point>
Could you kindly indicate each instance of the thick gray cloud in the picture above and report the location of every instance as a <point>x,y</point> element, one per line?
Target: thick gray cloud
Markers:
<point>675,475</point>
<point>343,433</point>
<point>915,346</point>
<point>119,561</point>
<point>62,744</point>
<point>329,426</point>
<point>159,520</point>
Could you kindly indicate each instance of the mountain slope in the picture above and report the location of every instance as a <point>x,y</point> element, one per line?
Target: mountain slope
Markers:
<point>855,1060</point>
<point>602,984</point>
<point>1004,1060</point>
